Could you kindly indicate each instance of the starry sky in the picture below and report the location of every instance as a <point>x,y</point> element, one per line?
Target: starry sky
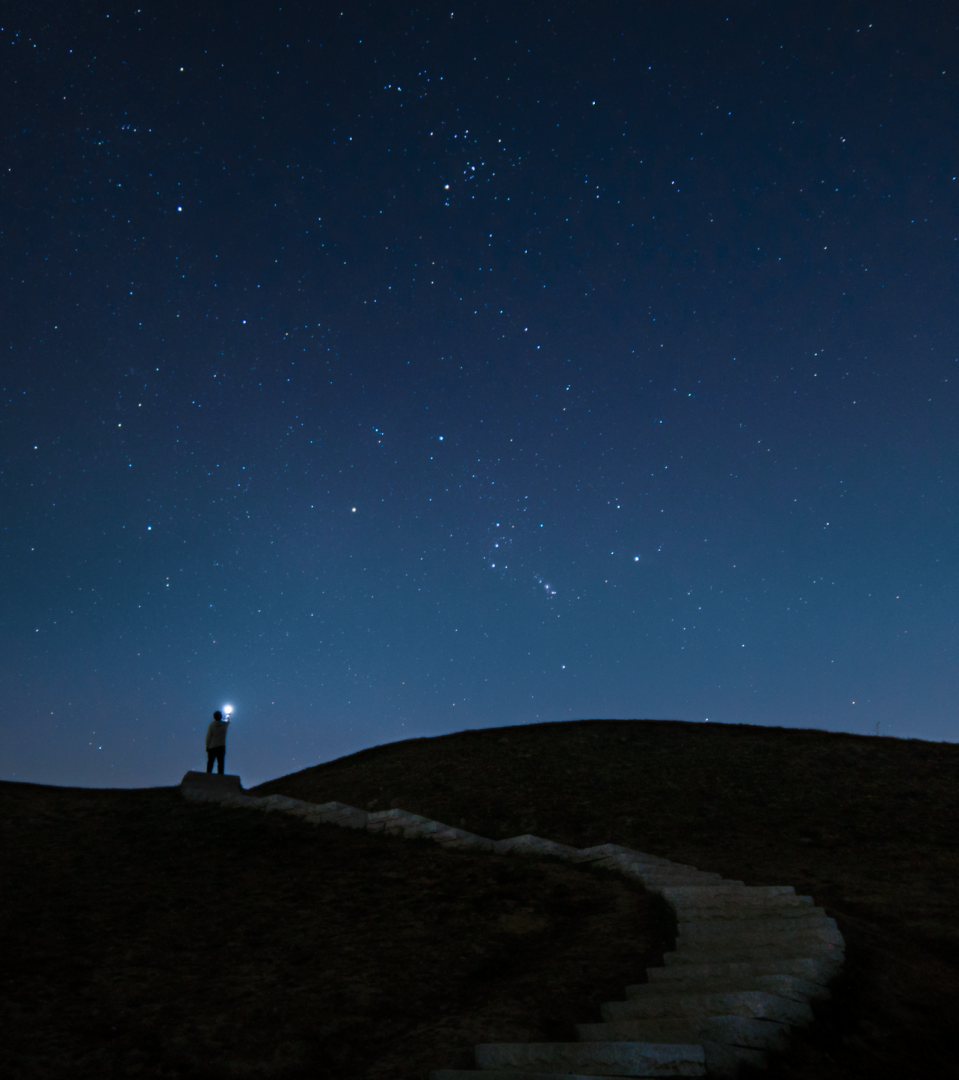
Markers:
<point>388,371</point>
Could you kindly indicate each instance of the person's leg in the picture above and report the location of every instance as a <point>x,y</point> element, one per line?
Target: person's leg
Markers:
<point>220,759</point>
<point>210,758</point>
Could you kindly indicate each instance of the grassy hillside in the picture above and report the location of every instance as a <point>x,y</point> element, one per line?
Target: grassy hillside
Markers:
<point>146,936</point>
<point>868,826</point>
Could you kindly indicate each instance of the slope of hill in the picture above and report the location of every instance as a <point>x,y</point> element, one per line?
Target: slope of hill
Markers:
<point>146,936</point>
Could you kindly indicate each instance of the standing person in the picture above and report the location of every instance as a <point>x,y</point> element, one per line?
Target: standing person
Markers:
<point>216,742</point>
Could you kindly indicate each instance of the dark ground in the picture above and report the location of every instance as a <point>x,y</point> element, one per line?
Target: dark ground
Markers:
<point>145,936</point>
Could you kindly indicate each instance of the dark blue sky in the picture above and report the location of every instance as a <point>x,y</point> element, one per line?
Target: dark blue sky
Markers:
<point>397,371</point>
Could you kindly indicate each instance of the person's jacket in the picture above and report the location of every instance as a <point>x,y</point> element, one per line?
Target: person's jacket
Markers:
<point>216,734</point>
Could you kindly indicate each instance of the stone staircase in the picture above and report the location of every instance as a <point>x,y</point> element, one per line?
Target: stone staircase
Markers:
<point>748,959</point>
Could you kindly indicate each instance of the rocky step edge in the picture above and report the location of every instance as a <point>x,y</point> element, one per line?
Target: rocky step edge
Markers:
<point>748,960</point>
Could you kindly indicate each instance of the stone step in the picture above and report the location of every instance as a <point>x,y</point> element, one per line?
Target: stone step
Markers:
<point>787,986</point>
<point>605,851</point>
<point>723,1061</point>
<point>662,878</point>
<point>736,913</point>
<point>816,970</point>
<point>658,878</point>
<point>614,862</point>
<point>742,893</point>
<point>460,840</point>
<point>755,1004</point>
<point>728,1030</point>
<point>796,947</point>
<point>617,1058</point>
<point>250,801</point>
<point>752,935</point>
<point>534,845</point>
<point>788,947</point>
<point>393,821</point>
<point>337,813</point>
<point>740,899</point>
<point>398,822</point>
<point>659,887</point>
<point>757,931</point>
<point>504,1074</point>
<point>287,805</point>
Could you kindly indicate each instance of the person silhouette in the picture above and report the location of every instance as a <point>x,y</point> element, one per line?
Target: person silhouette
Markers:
<point>216,742</point>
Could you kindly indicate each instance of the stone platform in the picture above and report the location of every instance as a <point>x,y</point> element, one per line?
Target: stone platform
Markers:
<point>212,783</point>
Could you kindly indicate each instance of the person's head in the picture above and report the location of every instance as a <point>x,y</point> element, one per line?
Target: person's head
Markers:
<point>218,715</point>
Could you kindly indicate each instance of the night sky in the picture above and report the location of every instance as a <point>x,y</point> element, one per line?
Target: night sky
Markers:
<point>396,370</point>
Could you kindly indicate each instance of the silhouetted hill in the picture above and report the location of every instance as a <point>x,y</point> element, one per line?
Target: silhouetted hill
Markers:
<point>146,936</point>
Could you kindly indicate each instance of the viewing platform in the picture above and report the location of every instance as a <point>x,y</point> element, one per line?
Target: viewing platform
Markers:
<point>212,783</point>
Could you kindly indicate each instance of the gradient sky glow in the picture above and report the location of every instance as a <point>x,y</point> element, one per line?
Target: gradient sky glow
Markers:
<point>405,370</point>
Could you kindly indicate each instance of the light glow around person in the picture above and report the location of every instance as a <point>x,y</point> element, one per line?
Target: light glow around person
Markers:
<point>227,710</point>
